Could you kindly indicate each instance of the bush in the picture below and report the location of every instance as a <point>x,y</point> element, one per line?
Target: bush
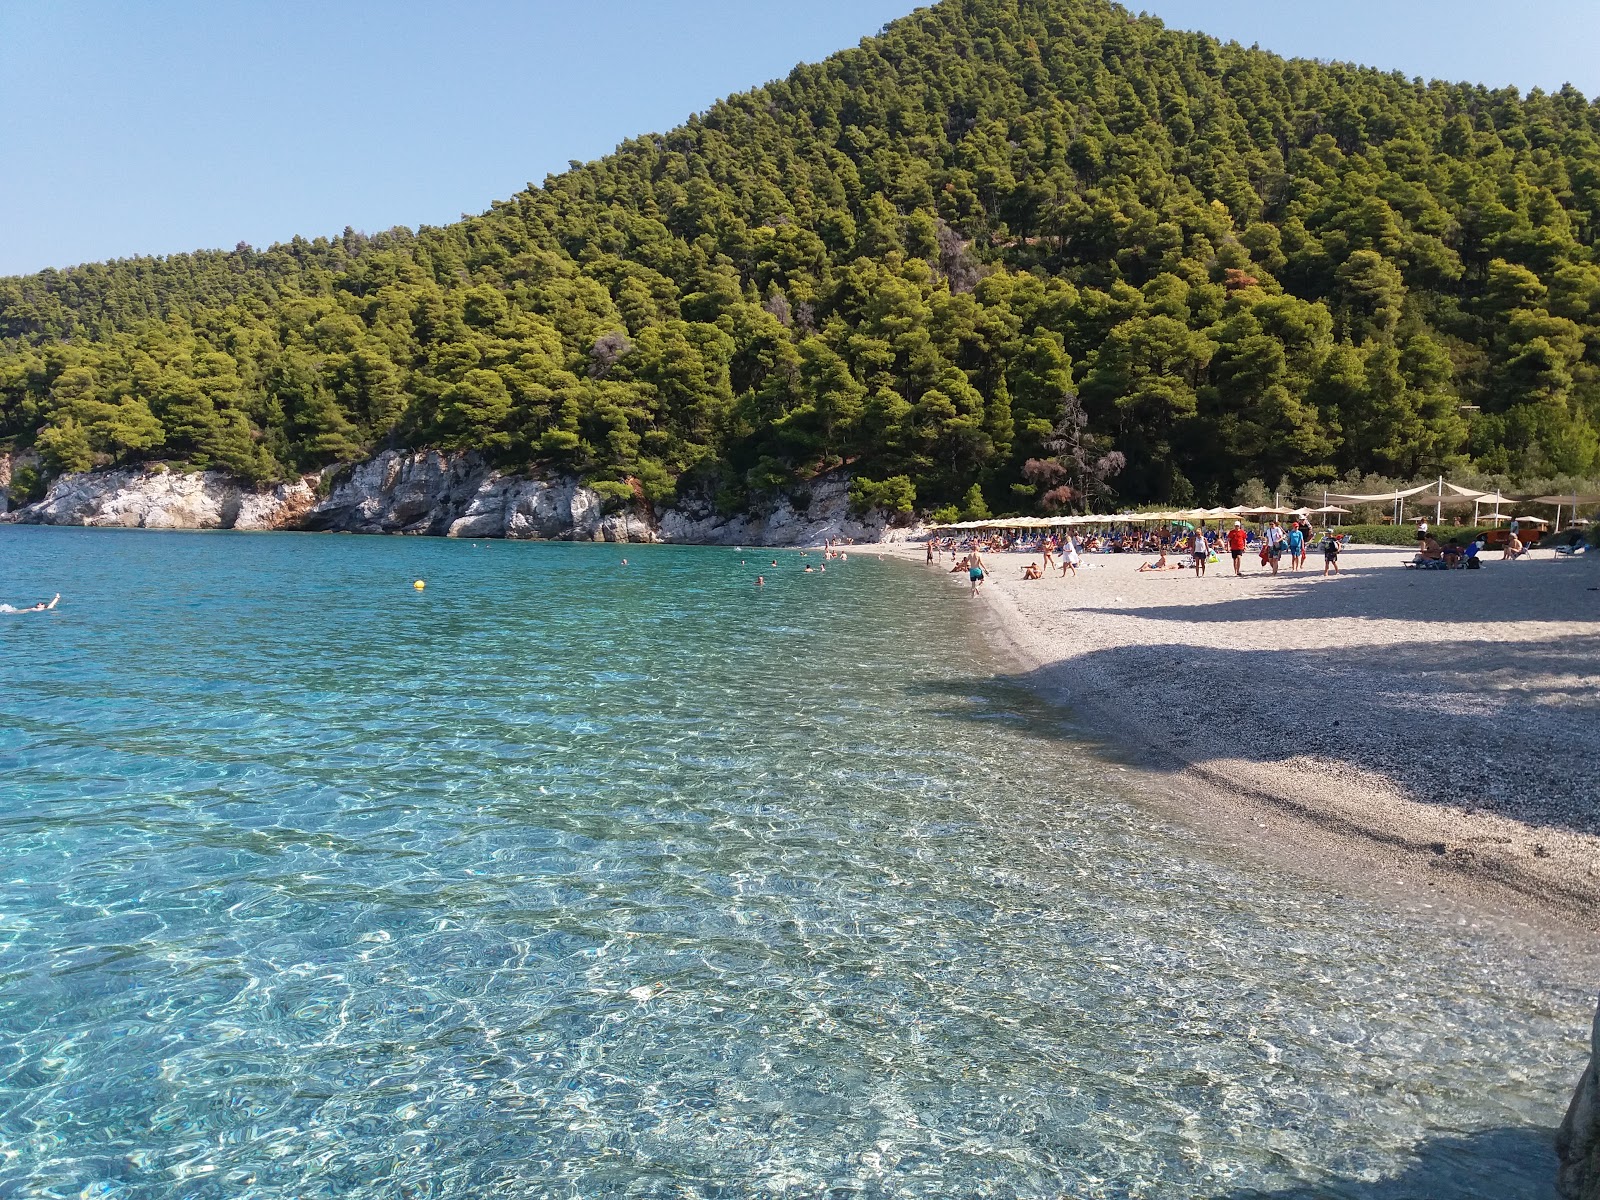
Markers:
<point>1406,535</point>
<point>27,485</point>
<point>613,492</point>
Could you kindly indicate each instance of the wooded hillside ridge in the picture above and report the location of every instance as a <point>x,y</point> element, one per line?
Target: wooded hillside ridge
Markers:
<point>1008,255</point>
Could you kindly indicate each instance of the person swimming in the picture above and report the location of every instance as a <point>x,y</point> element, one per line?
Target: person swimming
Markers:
<point>39,607</point>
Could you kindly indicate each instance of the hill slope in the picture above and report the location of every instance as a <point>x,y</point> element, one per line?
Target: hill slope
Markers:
<point>1000,233</point>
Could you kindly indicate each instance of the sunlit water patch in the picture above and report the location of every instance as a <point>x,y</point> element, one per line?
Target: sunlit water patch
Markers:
<point>565,878</point>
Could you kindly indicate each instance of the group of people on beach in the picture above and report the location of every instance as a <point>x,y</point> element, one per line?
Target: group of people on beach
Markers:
<point>1175,550</point>
<point>1271,547</point>
<point>1452,555</point>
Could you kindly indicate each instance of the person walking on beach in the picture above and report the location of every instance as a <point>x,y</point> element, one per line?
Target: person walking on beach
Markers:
<point>1236,544</point>
<point>1069,556</point>
<point>1202,551</point>
<point>1045,547</point>
<point>1330,555</point>
<point>975,570</point>
<point>1297,546</point>
<point>1274,544</point>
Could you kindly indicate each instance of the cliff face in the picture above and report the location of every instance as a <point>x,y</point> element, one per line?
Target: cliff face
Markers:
<point>433,493</point>
<point>144,499</point>
<point>1578,1143</point>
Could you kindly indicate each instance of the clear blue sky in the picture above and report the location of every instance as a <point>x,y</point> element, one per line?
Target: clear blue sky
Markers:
<point>166,125</point>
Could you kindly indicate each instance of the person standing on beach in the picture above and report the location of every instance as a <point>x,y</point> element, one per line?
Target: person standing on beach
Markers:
<point>1297,546</point>
<point>1069,556</point>
<point>1202,551</point>
<point>1236,544</point>
<point>930,552</point>
<point>1330,555</point>
<point>1045,547</point>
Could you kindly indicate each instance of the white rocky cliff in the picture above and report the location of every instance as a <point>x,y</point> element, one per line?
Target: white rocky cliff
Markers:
<point>134,498</point>
<point>434,493</point>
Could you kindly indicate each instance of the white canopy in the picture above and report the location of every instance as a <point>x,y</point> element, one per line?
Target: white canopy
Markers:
<point>1380,497</point>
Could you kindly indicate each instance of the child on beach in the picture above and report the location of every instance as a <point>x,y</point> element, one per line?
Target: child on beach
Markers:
<point>1330,555</point>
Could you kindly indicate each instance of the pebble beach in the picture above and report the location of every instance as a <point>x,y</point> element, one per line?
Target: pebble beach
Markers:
<point>1442,725</point>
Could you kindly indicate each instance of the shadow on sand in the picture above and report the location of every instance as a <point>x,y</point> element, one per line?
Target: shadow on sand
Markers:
<point>1306,595</point>
<point>1476,735</point>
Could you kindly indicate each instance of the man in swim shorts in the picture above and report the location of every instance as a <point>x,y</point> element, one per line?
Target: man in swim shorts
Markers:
<point>1236,545</point>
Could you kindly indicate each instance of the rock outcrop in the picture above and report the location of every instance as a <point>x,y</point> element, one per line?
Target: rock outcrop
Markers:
<point>142,498</point>
<point>441,494</point>
<point>1578,1142</point>
<point>824,513</point>
<point>459,495</point>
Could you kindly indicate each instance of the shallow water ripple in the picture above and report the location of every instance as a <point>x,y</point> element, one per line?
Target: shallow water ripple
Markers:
<point>565,879</point>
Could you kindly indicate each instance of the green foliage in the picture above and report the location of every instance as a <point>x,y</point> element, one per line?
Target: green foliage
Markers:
<point>894,495</point>
<point>973,507</point>
<point>1038,248</point>
<point>26,485</point>
<point>1406,534</point>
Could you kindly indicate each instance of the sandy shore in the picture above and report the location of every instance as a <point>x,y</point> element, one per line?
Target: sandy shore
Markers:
<point>1441,723</point>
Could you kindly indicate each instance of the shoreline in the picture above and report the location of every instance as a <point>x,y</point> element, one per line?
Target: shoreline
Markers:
<point>1229,689</point>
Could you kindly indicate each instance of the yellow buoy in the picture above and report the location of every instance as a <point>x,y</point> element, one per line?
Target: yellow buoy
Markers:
<point>419,585</point>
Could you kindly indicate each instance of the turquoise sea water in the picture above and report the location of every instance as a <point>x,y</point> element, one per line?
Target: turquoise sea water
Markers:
<point>564,878</point>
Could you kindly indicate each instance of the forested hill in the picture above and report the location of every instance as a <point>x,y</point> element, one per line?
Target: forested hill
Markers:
<point>999,244</point>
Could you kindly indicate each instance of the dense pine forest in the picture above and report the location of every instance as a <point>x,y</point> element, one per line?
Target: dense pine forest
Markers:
<point>1009,255</point>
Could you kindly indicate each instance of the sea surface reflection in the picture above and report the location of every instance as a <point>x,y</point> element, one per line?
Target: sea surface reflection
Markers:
<point>565,878</point>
